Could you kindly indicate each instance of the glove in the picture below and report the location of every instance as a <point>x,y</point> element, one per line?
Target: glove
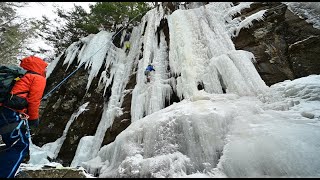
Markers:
<point>33,122</point>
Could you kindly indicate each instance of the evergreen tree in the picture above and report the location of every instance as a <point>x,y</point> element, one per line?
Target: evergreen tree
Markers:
<point>14,33</point>
<point>110,14</point>
<point>74,26</point>
<point>78,23</point>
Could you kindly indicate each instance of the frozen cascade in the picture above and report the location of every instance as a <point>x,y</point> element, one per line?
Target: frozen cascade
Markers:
<point>190,58</point>
<point>243,133</point>
<point>150,97</point>
<point>121,69</point>
<point>187,56</point>
<point>95,52</point>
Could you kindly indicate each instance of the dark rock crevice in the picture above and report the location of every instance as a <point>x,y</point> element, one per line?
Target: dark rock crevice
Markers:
<point>165,28</point>
<point>122,122</point>
<point>87,122</point>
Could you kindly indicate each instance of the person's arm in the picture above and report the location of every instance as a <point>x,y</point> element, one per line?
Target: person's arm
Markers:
<point>35,94</point>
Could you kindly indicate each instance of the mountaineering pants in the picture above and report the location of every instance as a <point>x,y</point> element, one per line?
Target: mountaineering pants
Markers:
<point>17,146</point>
<point>147,73</point>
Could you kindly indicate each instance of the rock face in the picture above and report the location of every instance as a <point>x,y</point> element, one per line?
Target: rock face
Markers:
<point>62,104</point>
<point>285,47</point>
<point>51,173</point>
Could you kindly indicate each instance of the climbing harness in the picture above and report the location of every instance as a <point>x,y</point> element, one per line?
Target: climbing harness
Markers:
<point>44,97</point>
<point>24,121</point>
<point>18,134</point>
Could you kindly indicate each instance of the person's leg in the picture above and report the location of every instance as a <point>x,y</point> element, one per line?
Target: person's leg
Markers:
<point>15,152</point>
<point>148,76</point>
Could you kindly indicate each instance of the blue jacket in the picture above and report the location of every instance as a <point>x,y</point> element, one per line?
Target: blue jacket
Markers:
<point>150,68</point>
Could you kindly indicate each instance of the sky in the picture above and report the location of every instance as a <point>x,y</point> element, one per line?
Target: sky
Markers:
<point>250,131</point>
<point>38,9</point>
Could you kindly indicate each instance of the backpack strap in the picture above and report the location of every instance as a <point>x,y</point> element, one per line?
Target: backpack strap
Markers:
<point>24,92</point>
<point>28,72</point>
<point>20,93</point>
<point>32,72</point>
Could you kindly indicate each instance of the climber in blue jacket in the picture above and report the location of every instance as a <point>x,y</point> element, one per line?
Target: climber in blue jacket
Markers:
<point>148,70</point>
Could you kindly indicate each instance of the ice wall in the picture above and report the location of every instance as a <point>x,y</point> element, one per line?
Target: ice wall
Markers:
<point>201,51</point>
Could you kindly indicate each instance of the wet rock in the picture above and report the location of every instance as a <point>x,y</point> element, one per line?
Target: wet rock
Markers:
<point>307,115</point>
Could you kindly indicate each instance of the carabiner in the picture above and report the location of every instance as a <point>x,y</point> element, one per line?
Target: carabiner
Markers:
<point>24,116</point>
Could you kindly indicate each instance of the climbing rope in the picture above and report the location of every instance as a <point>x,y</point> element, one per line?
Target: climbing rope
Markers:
<point>24,120</point>
<point>49,93</point>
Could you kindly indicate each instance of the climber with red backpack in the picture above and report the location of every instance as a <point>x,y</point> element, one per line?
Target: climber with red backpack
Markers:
<point>19,109</point>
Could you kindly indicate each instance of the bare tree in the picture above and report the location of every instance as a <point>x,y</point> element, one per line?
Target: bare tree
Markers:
<point>14,32</point>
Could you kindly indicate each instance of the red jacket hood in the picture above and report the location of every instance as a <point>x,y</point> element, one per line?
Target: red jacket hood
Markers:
<point>35,64</point>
